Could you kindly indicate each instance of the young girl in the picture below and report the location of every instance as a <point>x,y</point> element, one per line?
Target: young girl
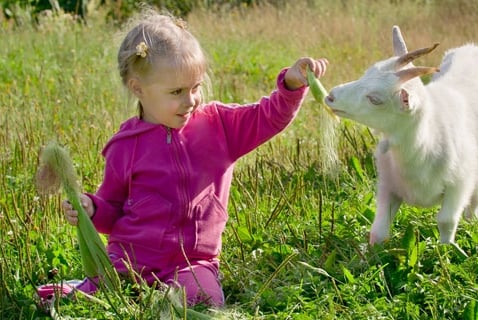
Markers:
<point>168,171</point>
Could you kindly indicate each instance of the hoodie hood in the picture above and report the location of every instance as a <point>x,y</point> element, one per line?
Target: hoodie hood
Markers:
<point>131,128</point>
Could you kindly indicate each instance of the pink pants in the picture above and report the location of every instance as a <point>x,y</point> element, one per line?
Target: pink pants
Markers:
<point>200,281</point>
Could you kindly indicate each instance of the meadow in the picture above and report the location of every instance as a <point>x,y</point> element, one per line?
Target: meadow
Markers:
<point>295,246</point>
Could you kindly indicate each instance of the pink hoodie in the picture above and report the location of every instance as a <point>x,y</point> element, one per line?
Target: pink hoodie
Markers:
<point>166,188</point>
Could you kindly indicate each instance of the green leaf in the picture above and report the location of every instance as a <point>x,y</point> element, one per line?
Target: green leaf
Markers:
<point>409,244</point>
<point>471,311</point>
<point>348,275</point>
<point>331,260</point>
<point>357,167</point>
<point>244,234</point>
<point>413,257</point>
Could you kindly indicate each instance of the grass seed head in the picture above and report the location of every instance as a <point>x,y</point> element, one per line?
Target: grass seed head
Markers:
<point>46,180</point>
<point>55,169</point>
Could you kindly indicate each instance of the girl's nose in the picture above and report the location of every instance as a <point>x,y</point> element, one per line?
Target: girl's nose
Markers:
<point>190,99</point>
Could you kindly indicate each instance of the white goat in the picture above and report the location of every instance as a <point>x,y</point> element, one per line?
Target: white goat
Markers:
<point>428,153</point>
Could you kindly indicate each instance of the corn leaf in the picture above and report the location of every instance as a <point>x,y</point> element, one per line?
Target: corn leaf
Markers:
<point>92,249</point>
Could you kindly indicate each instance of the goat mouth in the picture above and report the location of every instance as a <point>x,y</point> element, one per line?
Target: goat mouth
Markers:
<point>329,101</point>
<point>338,111</point>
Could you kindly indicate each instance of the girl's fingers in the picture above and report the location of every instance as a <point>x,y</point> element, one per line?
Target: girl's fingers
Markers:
<point>72,217</point>
<point>321,67</point>
<point>66,205</point>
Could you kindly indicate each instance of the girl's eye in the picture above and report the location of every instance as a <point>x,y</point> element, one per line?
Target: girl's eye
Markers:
<point>178,92</point>
<point>196,88</point>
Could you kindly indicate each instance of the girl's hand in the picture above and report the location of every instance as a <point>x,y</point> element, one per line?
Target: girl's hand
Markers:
<point>296,76</point>
<point>71,214</point>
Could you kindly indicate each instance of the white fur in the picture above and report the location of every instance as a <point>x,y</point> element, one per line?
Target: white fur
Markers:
<point>428,153</point>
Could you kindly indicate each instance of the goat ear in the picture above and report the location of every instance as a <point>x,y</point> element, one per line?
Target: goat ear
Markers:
<point>404,100</point>
<point>399,46</point>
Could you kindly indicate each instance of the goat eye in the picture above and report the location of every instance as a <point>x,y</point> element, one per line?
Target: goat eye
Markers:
<point>374,100</point>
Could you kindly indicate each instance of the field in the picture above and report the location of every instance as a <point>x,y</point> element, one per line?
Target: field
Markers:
<point>295,246</point>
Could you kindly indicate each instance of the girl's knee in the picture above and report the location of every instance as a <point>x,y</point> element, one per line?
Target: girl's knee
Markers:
<point>202,285</point>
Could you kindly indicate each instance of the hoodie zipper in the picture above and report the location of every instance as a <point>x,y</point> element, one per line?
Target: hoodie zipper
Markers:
<point>178,151</point>
<point>168,136</point>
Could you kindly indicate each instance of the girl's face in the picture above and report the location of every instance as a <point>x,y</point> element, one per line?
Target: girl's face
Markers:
<point>169,95</point>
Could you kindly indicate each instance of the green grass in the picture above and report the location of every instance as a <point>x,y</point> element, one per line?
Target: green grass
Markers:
<point>295,246</point>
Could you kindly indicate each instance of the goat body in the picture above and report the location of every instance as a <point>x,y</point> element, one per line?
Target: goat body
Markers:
<point>428,153</point>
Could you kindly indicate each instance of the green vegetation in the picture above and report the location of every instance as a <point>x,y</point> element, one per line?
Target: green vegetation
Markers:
<point>295,246</point>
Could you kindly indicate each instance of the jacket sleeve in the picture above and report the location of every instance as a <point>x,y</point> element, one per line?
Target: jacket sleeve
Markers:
<point>248,126</point>
<point>108,200</point>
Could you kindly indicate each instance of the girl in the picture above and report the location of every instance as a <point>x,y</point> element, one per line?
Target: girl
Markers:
<point>168,171</point>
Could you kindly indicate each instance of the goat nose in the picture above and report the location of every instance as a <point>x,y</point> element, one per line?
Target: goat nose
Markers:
<point>330,98</point>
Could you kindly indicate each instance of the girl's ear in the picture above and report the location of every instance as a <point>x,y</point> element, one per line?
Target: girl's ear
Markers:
<point>135,87</point>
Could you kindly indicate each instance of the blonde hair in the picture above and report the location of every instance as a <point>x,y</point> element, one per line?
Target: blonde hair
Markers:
<point>152,36</point>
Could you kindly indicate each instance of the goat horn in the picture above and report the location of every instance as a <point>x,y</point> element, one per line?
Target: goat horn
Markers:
<point>399,46</point>
<point>407,74</point>
<point>410,56</point>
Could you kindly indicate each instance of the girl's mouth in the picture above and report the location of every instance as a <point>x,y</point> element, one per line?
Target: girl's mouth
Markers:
<point>184,116</point>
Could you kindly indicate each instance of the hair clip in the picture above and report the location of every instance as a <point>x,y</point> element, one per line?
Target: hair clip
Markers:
<point>181,23</point>
<point>142,49</point>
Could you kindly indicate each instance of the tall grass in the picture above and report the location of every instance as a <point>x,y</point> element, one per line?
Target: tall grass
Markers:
<point>295,246</point>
